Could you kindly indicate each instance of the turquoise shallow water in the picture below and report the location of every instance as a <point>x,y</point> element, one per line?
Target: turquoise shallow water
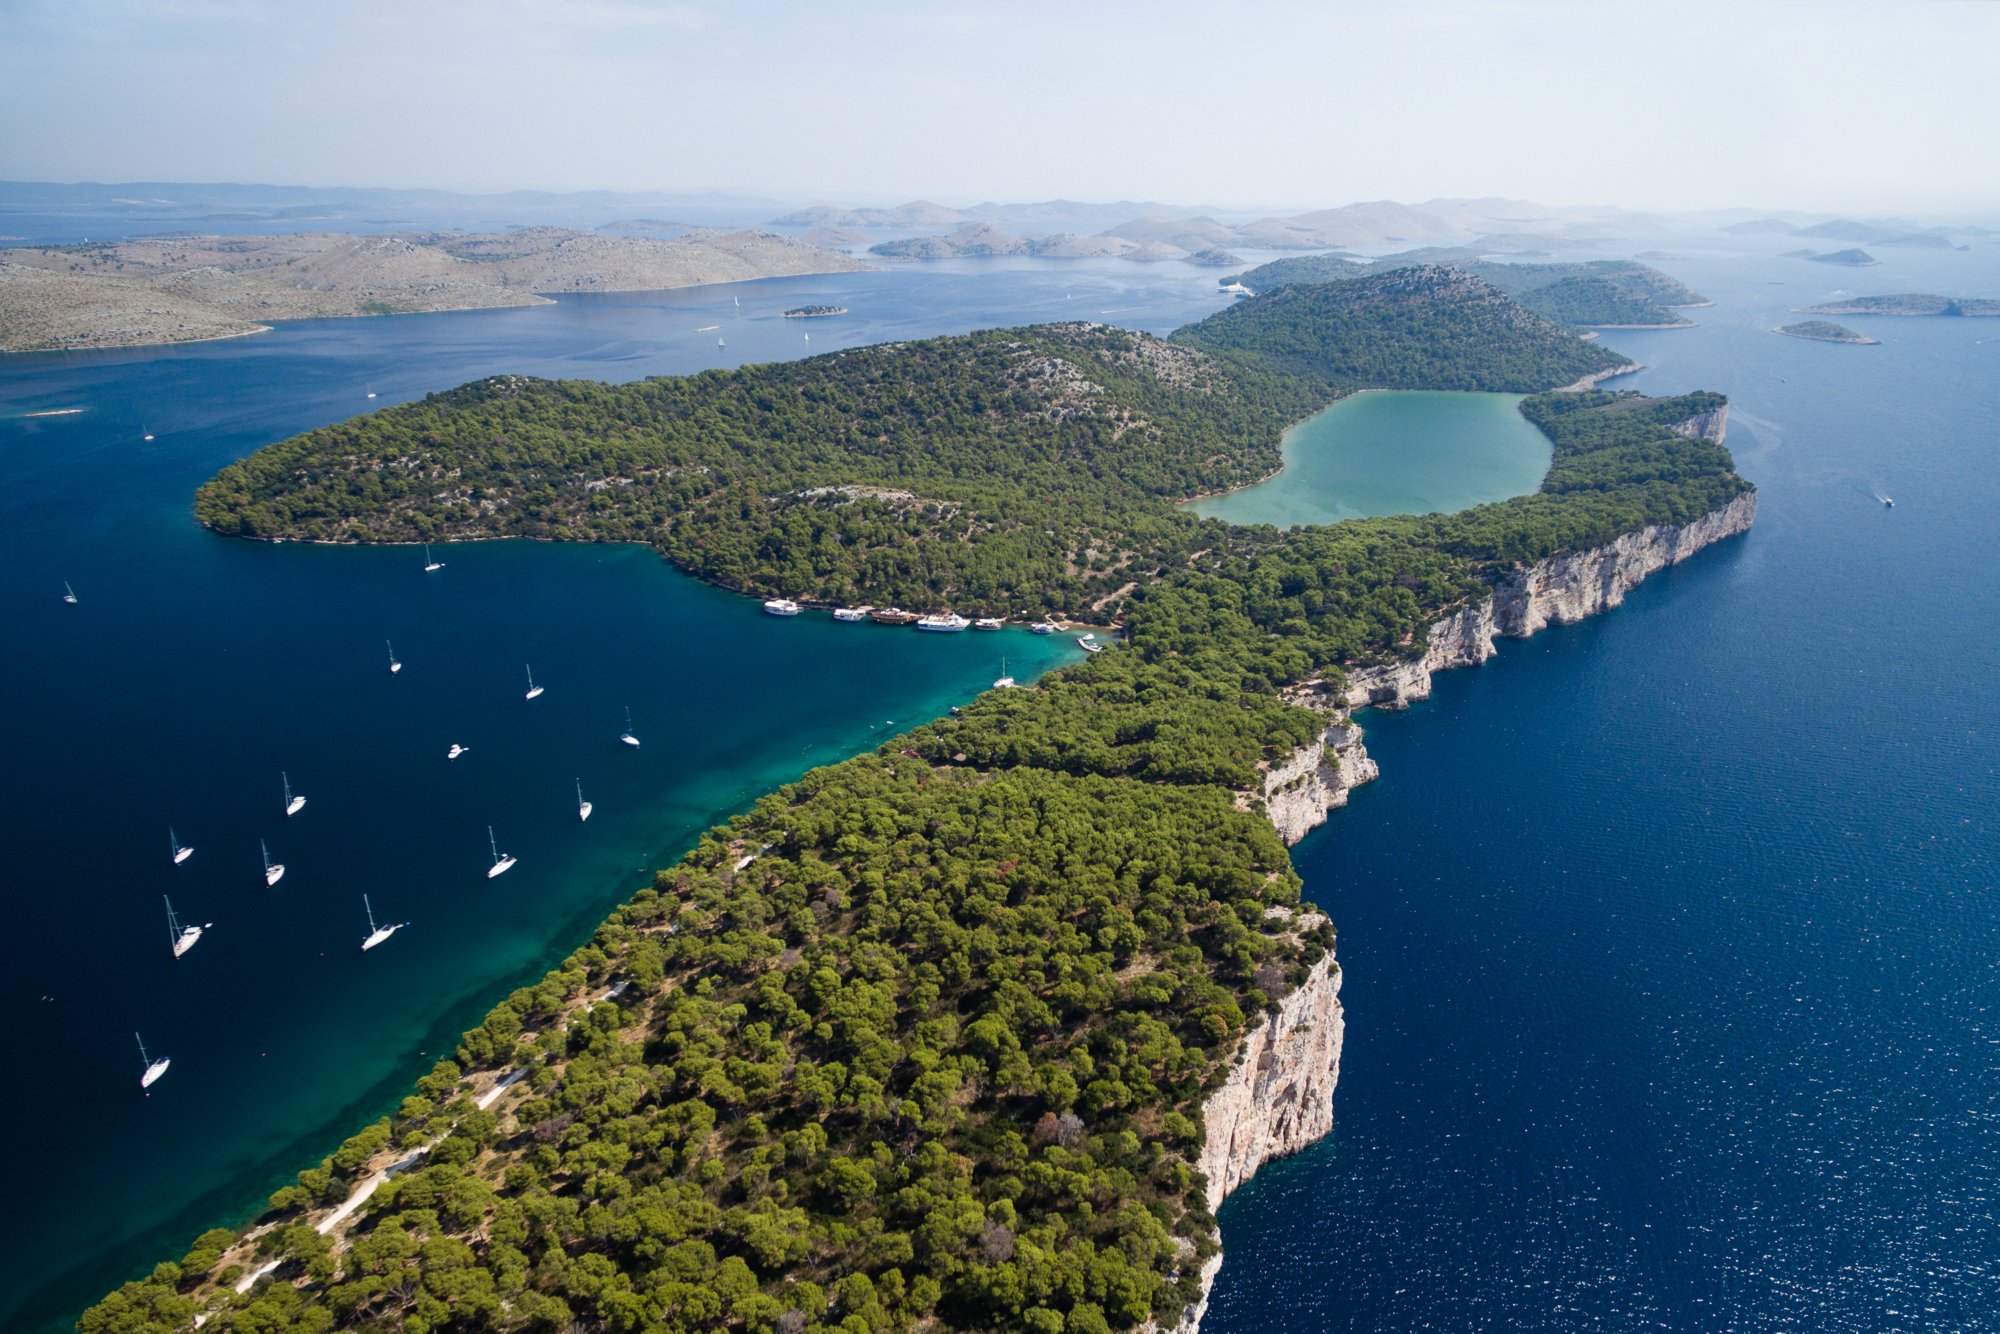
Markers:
<point>195,668</point>
<point>1396,452</point>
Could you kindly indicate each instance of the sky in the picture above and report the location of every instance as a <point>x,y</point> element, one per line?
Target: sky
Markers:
<point>1827,105</point>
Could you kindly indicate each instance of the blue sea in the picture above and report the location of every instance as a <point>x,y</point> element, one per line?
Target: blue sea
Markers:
<point>1670,940</point>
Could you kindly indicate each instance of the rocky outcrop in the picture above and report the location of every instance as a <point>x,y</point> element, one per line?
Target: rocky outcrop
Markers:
<point>1710,426</point>
<point>1558,591</point>
<point>1300,790</point>
<point>1277,1100</point>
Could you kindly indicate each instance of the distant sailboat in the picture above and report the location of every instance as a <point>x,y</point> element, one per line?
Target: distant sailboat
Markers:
<point>377,934</point>
<point>183,937</point>
<point>181,854</point>
<point>429,564</point>
<point>394,666</point>
<point>69,594</point>
<point>1005,682</point>
<point>720,343</point>
<point>293,805</point>
<point>809,338</point>
<point>582,806</point>
<point>148,435</point>
<point>371,393</point>
<point>533,689</point>
<point>456,751</point>
<point>154,1069</point>
<point>738,300</point>
<point>273,871</point>
<point>501,865</point>
<point>626,735</point>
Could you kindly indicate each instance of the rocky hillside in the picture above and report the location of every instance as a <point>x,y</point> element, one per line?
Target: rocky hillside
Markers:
<point>177,289</point>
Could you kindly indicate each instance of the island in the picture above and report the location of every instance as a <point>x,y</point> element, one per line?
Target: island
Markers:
<point>1907,303</point>
<point>814,312</point>
<point>187,288</point>
<point>1825,331</point>
<point>1600,294</point>
<point>1853,258</point>
<point>975,1031</point>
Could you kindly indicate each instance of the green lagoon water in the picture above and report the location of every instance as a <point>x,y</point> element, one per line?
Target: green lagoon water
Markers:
<point>1394,453</point>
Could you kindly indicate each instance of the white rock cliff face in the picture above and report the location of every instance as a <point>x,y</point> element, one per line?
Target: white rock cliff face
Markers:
<point>1277,1100</point>
<point>1279,1097</point>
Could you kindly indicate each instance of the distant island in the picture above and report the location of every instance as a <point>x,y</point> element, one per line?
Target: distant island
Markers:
<point>1599,294</point>
<point>1907,303</point>
<point>978,240</point>
<point>1854,258</point>
<point>814,312</point>
<point>189,288</point>
<point>1824,331</point>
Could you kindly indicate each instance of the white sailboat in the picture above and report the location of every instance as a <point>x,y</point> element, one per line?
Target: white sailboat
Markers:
<point>429,564</point>
<point>293,805</point>
<point>183,937</point>
<point>148,434</point>
<point>720,343</point>
<point>626,735</point>
<point>582,806</point>
<point>154,1069</point>
<point>456,751</point>
<point>501,865</point>
<point>69,594</point>
<point>377,934</point>
<point>273,871</point>
<point>1005,682</point>
<point>181,853</point>
<point>533,689</point>
<point>394,666</point>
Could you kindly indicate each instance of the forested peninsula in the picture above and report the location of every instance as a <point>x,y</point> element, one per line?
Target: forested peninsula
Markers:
<point>1600,293</point>
<point>937,1038</point>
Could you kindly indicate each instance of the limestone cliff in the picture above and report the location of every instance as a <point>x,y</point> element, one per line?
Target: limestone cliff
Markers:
<point>1277,1100</point>
<point>1558,591</point>
<point>1299,791</point>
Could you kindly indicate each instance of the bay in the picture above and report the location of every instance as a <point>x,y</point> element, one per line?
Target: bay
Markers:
<point>194,669</point>
<point>1394,452</point>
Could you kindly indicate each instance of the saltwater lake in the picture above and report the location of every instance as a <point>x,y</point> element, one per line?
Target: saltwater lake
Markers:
<point>1668,939</point>
<point>1395,453</point>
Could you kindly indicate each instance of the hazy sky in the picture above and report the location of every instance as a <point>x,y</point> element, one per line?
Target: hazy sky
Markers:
<point>1823,105</point>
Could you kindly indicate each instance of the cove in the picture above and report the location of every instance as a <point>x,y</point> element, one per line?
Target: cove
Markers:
<point>1394,452</point>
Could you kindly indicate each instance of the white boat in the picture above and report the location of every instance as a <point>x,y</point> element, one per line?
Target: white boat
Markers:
<point>273,871</point>
<point>626,735</point>
<point>147,436</point>
<point>1043,628</point>
<point>533,689</point>
<point>1005,682</point>
<point>154,1069</point>
<point>456,751</point>
<point>293,805</point>
<point>1886,504</point>
<point>394,666</point>
<point>183,937</point>
<point>371,393</point>
<point>1089,644</point>
<point>949,623</point>
<point>990,623</point>
<point>809,338</point>
<point>851,613</point>
<point>181,854</point>
<point>501,865</point>
<point>582,806</point>
<point>377,934</point>
<point>429,564</point>
<point>720,343</point>
<point>69,594</point>
<point>781,607</point>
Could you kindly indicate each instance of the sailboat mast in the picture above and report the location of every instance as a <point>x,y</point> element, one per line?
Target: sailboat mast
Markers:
<point>369,908</point>
<point>143,1058</point>
<point>492,844</point>
<point>173,927</point>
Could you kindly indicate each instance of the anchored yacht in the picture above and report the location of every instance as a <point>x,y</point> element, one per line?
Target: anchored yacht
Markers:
<point>183,937</point>
<point>154,1069</point>
<point>501,865</point>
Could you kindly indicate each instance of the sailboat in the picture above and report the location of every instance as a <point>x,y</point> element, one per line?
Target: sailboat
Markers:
<point>456,751</point>
<point>154,1069</point>
<point>626,735</point>
<point>293,805</point>
<point>394,666</point>
<point>183,937</point>
<point>501,865</point>
<point>720,343</point>
<point>1005,682</point>
<point>809,337</point>
<point>69,594</point>
<point>148,434</point>
<point>582,806</point>
<point>273,871</point>
<point>181,854</point>
<point>429,564</point>
<point>533,689</point>
<point>377,934</point>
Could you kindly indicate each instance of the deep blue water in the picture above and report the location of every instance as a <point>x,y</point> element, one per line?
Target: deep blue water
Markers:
<point>1672,940</point>
<point>194,668</point>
